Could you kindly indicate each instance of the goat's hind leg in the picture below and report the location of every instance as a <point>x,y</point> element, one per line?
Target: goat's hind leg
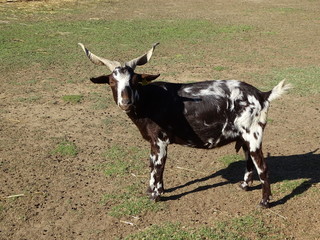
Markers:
<point>262,169</point>
<point>247,180</point>
<point>253,141</point>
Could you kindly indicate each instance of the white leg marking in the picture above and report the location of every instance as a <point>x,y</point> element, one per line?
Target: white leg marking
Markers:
<point>162,150</point>
<point>247,176</point>
<point>259,170</point>
<point>152,179</point>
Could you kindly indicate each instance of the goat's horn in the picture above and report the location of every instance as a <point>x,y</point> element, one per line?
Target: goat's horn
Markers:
<point>98,60</point>
<point>142,59</point>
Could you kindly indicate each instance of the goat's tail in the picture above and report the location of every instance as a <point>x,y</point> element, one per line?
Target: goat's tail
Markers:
<point>278,90</point>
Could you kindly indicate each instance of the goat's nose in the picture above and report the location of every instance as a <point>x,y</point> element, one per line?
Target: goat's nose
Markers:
<point>126,101</point>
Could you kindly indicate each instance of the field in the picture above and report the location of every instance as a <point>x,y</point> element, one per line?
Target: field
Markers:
<point>73,166</point>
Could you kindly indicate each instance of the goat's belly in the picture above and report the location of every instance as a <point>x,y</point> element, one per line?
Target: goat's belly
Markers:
<point>205,138</point>
<point>209,144</point>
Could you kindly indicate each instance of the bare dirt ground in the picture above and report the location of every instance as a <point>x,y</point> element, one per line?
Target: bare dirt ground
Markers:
<point>62,195</point>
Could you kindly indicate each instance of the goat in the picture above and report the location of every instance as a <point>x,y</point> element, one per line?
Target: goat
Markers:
<point>202,115</point>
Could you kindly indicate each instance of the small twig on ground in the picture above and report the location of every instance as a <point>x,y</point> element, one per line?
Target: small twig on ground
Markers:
<point>191,170</point>
<point>126,222</point>
<point>14,196</point>
<point>13,120</point>
<point>277,214</point>
<point>20,195</point>
<point>137,176</point>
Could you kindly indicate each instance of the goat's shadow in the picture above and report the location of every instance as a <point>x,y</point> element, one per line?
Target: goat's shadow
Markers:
<point>293,167</point>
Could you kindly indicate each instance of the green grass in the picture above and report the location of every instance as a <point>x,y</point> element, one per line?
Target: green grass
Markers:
<point>72,98</point>
<point>228,159</point>
<point>287,186</point>
<point>30,99</point>
<point>240,228</point>
<point>129,201</point>
<point>168,231</point>
<point>220,68</point>
<point>121,160</point>
<point>133,206</point>
<point>286,10</point>
<point>101,100</point>
<point>54,43</point>
<point>65,148</point>
<point>305,81</point>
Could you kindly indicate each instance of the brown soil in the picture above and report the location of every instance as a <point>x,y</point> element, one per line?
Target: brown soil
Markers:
<point>62,195</point>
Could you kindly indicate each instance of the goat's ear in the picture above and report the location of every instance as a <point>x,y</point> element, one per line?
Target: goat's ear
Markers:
<point>101,80</point>
<point>147,78</point>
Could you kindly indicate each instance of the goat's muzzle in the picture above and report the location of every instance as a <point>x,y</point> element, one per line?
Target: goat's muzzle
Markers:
<point>126,105</point>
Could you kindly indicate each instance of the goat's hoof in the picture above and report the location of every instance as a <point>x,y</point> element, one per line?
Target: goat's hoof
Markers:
<point>154,197</point>
<point>264,204</point>
<point>150,191</point>
<point>244,186</point>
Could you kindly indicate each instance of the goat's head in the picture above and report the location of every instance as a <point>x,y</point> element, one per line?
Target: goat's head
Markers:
<point>123,80</point>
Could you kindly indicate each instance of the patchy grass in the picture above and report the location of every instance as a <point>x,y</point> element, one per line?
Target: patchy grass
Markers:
<point>72,98</point>
<point>305,81</point>
<point>29,99</point>
<point>65,148</point>
<point>129,202</point>
<point>228,159</point>
<point>286,10</point>
<point>287,186</point>
<point>126,200</point>
<point>100,100</point>
<point>121,160</point>
<point>220,68</point>
<point>168,231</point>
<point>55,43</point>
<point>124,205</point>
<point>239,228</point>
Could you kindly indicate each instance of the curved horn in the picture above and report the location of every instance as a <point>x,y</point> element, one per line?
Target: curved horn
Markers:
<point>142,59</point>
<point>98,60</point>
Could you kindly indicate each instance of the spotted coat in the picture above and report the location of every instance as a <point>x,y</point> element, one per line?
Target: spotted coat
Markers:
<point>202,115</point>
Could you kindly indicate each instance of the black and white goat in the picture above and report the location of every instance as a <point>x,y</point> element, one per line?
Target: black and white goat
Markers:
<point>202,115</point>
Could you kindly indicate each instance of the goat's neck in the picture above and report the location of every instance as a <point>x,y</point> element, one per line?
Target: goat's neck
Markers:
<point>136,113</point>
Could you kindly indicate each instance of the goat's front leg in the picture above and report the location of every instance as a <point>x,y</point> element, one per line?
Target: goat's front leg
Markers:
<point>158,158</point>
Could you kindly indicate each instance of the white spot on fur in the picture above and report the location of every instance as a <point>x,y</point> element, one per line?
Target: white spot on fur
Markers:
<point>247,176</point>
<point>209,143</point>
<point>244,184</point>
<point>259,170</point>
<point>188,89</point>
<point>162,150</point>
<point>232,84</point>
<point>214,90</point>
<point>229,133</point>
<point>264,113</point>
<point>152,179</point>
<point>153,157</point>
<point>254,140</point>
<point>235,95</point>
